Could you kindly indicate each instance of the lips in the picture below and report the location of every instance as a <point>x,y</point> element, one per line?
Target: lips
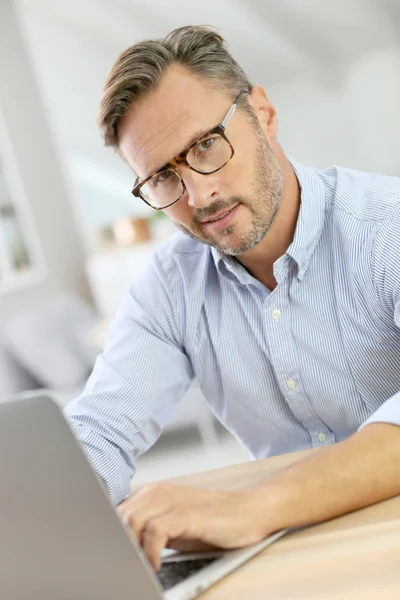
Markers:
<point>220,215</point>
<point>221,220</point>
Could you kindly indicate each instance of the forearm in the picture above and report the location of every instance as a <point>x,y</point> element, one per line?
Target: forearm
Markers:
<point>358,472</point>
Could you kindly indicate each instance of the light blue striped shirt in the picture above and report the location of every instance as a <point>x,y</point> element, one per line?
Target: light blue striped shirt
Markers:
<point>303,366</point>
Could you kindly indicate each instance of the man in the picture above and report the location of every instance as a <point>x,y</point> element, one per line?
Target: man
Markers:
<point>282,296</point>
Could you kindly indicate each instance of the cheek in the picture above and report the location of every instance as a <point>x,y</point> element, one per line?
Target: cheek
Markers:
<point>240,171</point>
<point>180,212</point>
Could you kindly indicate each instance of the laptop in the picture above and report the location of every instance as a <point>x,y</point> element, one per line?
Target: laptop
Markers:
<point>61,539</point>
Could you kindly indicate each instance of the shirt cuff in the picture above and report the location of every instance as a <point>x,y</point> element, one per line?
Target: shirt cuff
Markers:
<point>105,460</point>
<point>389,412</point>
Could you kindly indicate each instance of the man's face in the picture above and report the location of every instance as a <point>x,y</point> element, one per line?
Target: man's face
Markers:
<point>249,187</point>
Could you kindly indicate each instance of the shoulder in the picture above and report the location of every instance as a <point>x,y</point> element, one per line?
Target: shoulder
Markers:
<point>180,254</point>
<point>182,266</point>
<point>385,247</point>
<point>359,195</point>
<point>364,213</point>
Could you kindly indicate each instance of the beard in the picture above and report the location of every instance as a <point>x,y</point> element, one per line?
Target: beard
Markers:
<point>263,204</point>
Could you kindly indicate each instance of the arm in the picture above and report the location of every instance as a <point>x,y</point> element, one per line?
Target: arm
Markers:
<point>138,379</point>
<point>360,471</point>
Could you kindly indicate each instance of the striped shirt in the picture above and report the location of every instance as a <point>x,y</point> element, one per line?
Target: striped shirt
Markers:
<point>303,366</point>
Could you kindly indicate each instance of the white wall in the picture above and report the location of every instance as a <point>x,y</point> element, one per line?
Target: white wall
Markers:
<point>356,124</point>
<point>40,172</point>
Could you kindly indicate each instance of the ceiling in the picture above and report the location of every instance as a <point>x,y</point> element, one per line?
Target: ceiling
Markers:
<point>302,51</point>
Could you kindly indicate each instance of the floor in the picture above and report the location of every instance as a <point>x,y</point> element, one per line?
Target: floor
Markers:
<point>181,452</point>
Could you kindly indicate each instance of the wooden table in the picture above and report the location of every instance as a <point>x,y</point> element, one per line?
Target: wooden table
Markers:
<point>356,556</point>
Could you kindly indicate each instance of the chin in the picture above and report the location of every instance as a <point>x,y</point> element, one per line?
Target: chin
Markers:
<point>232,249</point>
<point>242,243</point>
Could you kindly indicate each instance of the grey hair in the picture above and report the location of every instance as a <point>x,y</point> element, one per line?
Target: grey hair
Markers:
<point>140,68</point>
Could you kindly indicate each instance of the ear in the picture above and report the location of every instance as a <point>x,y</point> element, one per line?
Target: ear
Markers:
<point>264,110</point>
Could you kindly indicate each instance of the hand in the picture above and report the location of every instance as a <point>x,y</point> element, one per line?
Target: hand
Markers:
<point>184,518</point>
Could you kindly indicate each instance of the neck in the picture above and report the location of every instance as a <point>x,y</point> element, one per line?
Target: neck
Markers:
<point>259,260</point>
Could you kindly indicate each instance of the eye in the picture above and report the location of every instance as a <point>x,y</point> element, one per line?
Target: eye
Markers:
<point>205,144</point>
<point>163,176</point>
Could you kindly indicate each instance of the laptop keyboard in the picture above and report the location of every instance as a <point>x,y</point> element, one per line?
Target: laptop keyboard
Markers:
<point>173,573</point>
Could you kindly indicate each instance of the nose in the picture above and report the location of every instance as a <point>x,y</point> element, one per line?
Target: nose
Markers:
<point>201,190</point>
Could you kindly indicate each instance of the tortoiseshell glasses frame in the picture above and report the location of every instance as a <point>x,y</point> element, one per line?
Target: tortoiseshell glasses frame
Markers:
<point>181,159</point>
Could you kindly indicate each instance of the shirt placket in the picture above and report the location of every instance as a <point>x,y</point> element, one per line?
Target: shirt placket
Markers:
<point>283,358</point>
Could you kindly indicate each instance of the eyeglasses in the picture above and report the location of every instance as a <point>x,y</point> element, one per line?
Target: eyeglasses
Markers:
<point>207,155</point>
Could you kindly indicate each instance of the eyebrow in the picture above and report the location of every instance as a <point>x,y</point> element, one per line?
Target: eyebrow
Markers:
<point>196,136</point>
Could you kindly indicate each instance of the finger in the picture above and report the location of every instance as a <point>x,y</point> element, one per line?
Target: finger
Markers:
<point>136,521</point>
<point>149,503</point>
<point>157,534</point>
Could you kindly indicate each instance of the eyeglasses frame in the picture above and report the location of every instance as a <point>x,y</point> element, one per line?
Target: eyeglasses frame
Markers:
<point>181,158</point>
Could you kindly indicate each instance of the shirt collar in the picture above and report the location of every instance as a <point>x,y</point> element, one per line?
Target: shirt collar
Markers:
<point>308,230</point>
<point>311,218</point>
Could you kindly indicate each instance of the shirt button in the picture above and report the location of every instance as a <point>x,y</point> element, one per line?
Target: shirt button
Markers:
<point>322,436</point>
<point>276,314</point>
<point>291,384</point>
<point>301,272</point>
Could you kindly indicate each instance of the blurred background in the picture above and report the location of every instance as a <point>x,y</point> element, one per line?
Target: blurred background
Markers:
<point>72,237</point>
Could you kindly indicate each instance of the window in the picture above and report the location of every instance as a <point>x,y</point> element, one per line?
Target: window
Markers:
<point>20,257</point>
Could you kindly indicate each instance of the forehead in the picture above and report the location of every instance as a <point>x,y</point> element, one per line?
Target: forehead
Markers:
<point>161,125</point>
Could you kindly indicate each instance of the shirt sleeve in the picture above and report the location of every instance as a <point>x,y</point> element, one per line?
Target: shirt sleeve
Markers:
<point>386,274</point>
<point>141,375</point>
